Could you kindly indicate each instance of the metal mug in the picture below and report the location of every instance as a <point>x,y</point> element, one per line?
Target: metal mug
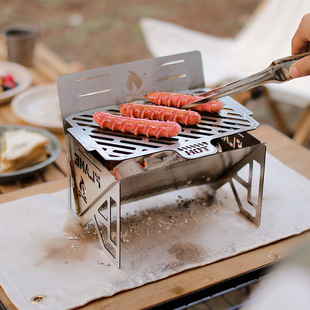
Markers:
<point>20,42</point>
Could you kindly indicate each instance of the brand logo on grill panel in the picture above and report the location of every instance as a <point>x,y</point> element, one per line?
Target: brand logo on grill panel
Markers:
<point>85,167</point>
<point>233,142</point>
<point>134,82</point>
<point>133,85</point>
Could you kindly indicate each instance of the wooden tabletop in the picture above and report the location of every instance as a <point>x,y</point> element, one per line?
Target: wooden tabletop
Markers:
<point>54,178</point>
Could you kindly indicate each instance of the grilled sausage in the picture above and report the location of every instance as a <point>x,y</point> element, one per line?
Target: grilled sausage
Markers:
<point>160,113</point>
<point>178,100</point>
<point>136,125</point>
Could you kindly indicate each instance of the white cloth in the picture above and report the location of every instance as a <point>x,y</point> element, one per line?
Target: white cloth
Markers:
<point>44,251</point>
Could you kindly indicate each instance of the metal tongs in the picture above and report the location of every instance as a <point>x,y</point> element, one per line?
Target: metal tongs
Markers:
<point>277,72</point>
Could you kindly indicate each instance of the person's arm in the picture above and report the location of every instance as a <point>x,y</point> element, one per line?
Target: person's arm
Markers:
<point>300,44</point>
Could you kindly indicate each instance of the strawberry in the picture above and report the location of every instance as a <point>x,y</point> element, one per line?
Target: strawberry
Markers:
<point>8,82</point>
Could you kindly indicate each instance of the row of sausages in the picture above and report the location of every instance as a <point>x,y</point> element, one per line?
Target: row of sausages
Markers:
<point>160,120</point>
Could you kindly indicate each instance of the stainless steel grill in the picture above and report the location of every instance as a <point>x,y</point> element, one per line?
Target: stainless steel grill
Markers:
<point>212,152</point>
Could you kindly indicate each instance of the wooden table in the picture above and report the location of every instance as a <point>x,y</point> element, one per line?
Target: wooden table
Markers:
<point>176,286</point>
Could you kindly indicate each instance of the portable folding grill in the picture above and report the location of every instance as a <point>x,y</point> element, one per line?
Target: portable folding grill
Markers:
<point>210,153</point>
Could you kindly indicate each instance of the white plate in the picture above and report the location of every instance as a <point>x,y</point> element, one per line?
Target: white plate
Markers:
<point>39,106</point>
<point>53,149</point>
<point>20,74</point>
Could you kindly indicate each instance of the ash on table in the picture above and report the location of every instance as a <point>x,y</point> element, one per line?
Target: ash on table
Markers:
<point>147,222</point>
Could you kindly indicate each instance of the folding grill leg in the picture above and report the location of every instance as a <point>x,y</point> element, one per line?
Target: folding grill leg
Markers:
<point>100,214</point>
<point>259,157</point>
<point>233,178</point>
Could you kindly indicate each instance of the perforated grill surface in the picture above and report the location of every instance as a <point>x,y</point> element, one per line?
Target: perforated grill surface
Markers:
<point>192,142</point>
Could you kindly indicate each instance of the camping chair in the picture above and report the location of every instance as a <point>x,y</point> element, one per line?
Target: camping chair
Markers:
<point>265,37</point>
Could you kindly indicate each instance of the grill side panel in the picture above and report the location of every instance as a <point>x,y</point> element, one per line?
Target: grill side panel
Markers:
<point>95,88</point>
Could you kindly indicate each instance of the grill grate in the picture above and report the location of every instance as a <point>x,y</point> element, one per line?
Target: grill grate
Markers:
<point>192,142</point>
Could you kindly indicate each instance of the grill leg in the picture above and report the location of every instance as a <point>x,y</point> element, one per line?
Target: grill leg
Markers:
<point>105,215</point>
<point>254,163</point>
<point>257,157</point>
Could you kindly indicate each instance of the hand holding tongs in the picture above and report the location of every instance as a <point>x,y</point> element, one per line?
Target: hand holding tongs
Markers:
<point>277,72</point>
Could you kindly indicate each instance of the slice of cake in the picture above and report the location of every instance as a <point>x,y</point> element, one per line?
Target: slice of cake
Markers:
<point>21,149</point>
